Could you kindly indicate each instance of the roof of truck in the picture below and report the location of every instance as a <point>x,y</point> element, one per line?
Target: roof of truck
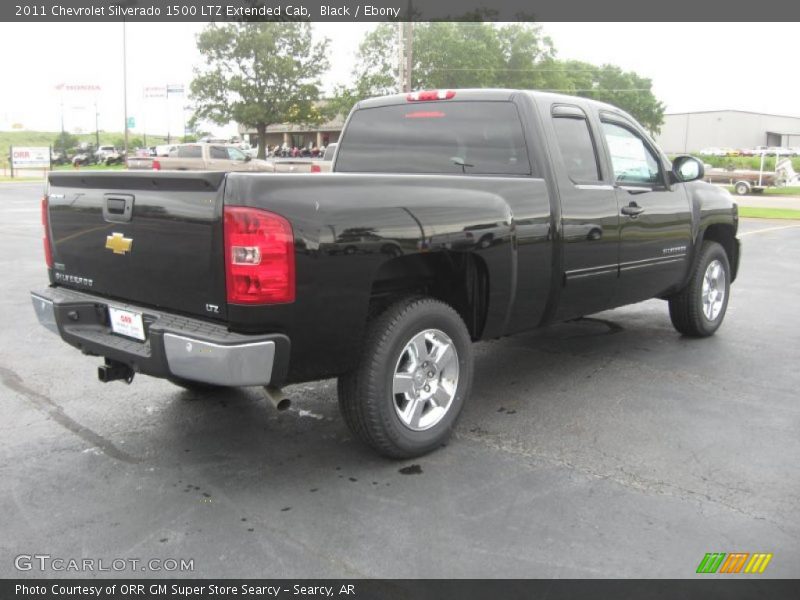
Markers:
<point>488,94</point>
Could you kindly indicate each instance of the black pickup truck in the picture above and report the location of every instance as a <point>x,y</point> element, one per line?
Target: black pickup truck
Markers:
<point>449,217</point>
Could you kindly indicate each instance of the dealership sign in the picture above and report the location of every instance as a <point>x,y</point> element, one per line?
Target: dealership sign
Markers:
<point>30,157</point>
<point>155,91</point>
<point>77,87</point>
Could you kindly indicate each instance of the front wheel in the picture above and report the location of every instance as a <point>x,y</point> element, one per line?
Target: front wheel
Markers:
<point>698,309</point>
<point>413,377</point>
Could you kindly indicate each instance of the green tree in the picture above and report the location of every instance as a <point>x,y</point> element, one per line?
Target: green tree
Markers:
<point>479,55</point>
<point>624,89</point>
<point>65,141</point>
<point>259,74</point>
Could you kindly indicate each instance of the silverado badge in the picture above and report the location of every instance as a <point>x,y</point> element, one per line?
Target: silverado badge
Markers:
<point>118,243</point>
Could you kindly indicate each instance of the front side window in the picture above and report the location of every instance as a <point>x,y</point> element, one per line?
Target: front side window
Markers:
<point>234,153</point>
<point>457,138</point>
<point>632,160</point>
<point>577,149</point>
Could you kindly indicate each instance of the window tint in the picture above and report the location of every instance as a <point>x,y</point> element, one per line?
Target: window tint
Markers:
<point>234,153</point>
<point>577,149</point>
<point>632,160</point>
<point>189,152</point>
<point>475,138</point>
<point>217,153</point>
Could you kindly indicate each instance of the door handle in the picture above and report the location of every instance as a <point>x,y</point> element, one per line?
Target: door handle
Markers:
<point>118,208</point>
<point>632,210</point>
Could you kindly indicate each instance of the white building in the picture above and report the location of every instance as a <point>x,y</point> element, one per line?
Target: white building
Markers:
<point>693,131</point>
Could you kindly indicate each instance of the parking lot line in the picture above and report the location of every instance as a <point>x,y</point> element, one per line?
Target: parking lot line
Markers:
<point>769,229</point>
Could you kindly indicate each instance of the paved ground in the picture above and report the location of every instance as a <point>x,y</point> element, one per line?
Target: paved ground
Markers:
<point>606,447</point>
<point>769,201</point>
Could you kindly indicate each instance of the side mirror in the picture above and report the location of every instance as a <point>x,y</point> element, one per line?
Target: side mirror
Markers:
<point>687,168</point>
<point>247,158</point>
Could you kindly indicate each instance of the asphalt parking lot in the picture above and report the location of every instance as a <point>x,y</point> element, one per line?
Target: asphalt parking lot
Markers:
<point>605,447</point>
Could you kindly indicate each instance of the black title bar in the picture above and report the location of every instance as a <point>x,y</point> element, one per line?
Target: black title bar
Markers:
<point>393,10</point>
<point>743,588</point>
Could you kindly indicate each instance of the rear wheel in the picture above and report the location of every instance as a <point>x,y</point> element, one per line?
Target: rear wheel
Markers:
<point>413,377</point>
<point>742,188</point>
<point>698,309</point>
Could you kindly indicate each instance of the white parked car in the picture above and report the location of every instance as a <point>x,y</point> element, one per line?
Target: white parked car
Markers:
<point>107,155</point>
<point>165,149</point>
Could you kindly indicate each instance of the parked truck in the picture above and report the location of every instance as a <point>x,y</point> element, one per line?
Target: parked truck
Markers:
<point>243,279</point>
<point>201,157</point>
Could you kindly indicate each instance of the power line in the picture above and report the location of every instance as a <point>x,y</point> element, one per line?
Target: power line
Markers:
<point>596,90</point>
<point>534,70</point>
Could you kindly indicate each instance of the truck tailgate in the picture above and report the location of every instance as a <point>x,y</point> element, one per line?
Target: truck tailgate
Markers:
<point>150,238</point>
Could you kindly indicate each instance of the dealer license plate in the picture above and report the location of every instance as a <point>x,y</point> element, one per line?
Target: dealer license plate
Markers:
<point>127,323</point>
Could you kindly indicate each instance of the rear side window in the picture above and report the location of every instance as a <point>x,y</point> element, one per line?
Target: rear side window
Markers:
<point>189,152</point>
<point>472,138</point>
<point>218,153</point>
<point>577,149</point>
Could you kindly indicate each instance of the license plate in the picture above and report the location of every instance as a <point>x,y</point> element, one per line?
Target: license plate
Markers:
<point>127,323</point>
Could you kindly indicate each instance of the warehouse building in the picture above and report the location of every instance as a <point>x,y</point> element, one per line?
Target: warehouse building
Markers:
<point>693,131</point>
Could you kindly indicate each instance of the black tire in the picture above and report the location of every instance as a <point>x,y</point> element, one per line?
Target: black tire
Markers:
<point>742,188</point>
<point>686,307</point>
<point>365,394</point>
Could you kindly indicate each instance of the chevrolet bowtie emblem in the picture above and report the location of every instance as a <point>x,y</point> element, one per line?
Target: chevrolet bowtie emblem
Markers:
<point>118,243</point>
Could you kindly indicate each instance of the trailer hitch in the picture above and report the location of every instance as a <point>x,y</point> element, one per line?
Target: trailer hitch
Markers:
<point>113,370</point>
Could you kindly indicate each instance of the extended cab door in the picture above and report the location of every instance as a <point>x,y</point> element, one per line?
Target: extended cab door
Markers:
<point>655,216</point>
<point>589,214</point>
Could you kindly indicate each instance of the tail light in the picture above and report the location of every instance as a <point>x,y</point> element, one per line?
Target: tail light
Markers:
<point>316,169</point>
<point>48,250</point>
<point>259,257</point>
<point>156,165</point>
<point>430,95</point>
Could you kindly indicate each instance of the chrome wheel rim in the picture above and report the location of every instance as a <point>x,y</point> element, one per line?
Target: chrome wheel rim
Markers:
<point>713,290</point>
<point>425,380</point>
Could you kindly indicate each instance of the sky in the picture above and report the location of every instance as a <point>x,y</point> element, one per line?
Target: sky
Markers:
<point>693,66</point>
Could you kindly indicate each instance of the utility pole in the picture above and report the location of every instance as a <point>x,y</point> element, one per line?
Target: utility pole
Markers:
<point>401,61</point>
<point>125,80</point>
<point>96,125</point>
<point>409,54</point>
<point>405,42</point>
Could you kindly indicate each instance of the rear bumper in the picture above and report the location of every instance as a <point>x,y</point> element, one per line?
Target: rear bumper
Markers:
<point>176,346</point>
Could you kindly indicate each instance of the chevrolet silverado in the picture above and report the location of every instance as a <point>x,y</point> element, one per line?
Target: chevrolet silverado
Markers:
<point>450,216</point>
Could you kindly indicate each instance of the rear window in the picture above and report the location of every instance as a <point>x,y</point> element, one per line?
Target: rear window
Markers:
<point>473,138</point>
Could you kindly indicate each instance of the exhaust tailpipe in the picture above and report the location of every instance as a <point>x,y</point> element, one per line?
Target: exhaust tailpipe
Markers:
<point>277,398</point>
<point>114,370</point>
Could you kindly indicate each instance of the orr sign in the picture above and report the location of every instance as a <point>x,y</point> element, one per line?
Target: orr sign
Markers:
<point>23,157</point>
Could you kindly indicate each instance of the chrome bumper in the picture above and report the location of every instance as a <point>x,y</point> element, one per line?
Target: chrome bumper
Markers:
<point>173,347</point>
<point>235,365</point>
